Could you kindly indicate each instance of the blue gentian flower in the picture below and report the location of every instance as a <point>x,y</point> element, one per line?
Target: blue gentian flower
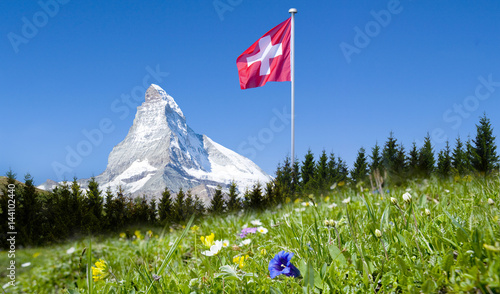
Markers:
<point>281,265</point>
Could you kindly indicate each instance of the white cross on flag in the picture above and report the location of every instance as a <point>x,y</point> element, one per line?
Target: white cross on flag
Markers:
<point>268,59</point>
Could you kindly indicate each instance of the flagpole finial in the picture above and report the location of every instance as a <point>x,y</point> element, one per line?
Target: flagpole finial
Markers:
<point>292,10</point>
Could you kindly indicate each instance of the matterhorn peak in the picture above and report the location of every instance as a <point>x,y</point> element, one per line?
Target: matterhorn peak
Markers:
<point>155,93</point>
<point>161,151</point>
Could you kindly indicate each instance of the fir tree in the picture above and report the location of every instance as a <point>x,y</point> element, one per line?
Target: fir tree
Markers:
<point>484,155</point>
<point>217,202</point>
<point>376,159</point>
<point>270,199</point>
<point>389,154</point>
<point>152,213</point>
<point>459,158</point>
<point>413,161</point>
<point>342,170</point>
<point>179,207</point>
<point>469,153</point>
<point>76,204</point>
<point>333,171</point>
<point>94,207</point>
<point>29,209</point>
<point>320,181</point>
<point>233,203</point>
<point>444,162</point>
<point>255,199</point>
<point>307,171</point>
<point>360,171</point>
<point>165,208</point>
<point>188,205</point>
<point>426,158</point>
<point>199,207</point>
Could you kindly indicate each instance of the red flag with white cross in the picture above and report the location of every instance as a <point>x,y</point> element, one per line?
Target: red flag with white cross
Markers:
<point>268,59</point>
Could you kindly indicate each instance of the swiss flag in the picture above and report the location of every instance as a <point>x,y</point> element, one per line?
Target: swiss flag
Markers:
<point>268,59</point>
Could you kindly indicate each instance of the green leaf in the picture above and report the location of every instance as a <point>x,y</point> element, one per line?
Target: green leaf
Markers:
<point>309,276</point>
<point>228,272</point>
<point>336,254</point>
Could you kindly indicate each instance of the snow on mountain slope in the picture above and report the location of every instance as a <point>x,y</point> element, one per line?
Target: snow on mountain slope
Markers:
<point>161,150</point>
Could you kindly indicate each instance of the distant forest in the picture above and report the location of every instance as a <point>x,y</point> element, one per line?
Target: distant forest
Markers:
<point>41,217</point>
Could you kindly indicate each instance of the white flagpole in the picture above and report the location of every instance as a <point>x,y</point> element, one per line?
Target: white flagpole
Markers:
<point>292,76</point>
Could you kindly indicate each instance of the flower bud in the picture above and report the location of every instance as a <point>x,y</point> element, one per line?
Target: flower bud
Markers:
<point>427,212</point>
<point>333,223</point>
<point>407,197</point>
<point>394,200</point>
<point>491,202</point>
<point>378,233</point>
<point>326,223</point>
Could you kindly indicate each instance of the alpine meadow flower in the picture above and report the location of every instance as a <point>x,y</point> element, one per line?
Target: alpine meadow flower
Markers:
<point>407,197</point>
<point>240,260</point>
<point>491,202</point>
<point>71,250</point>
<point>214,249</point>
<point>262,230</point>
<point>427,212</point>
<point>378,233</point>
<point>281,265</point>
<point>256,222</point>
<point>100,271</point>
<point>245,242</point>
<point>246,231</point>
<point>225,243</point>
<point>347,200</point>
<point>208,240</point>
<point>332,206</point>
<point>394,201</point>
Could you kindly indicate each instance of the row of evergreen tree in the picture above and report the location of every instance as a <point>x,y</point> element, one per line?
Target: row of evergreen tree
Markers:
<point>391,164</point>
<point>47,217</point>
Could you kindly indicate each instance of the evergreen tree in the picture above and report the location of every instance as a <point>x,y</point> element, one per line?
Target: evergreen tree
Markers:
<point>469,155</point>
<point>255,199</point>
<point>76,204</point>
<point>342,170</point>
<point>360,171</point>
<point>179,207</point>
<point>199,207</point>
<point>333,170</point>
<point>152,218</point>
<point>307,171</point>
<point>401,163</point>
<point>389,154</point>
<point>270,199</point>
<point>110,217</point>
<point>188,205</point>
<point>459,158</point>
<point>320,182</point>
<point>28,210</point>
<point>444,162</point>
<point>426,158</point>
<point>233,203</point>
<point>413,161</point>
<point>217,202</point>
<point>165,208</point>
<point>94,207</point>
<point>484,155</point>
<point>284,178</point>
<point>376,159</point>
<point>295,175</point>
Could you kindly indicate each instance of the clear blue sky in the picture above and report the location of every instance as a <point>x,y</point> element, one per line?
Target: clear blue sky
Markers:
<point>416,67</point>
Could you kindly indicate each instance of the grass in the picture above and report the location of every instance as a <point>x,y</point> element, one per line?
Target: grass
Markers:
<point>452,247</point>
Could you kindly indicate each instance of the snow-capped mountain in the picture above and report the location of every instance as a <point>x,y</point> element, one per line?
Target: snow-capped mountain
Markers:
<point>161,150</point>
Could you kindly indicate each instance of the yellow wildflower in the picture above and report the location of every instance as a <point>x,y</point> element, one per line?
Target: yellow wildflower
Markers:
<point>341,183</point>
<point>240,260</point>
<point>123,235</point>
<point>208,240</point>
<point>138,235</point>
<point>100,272</point>
<point>194,228</point>
<point>36,254</point>
<point>327,198</point>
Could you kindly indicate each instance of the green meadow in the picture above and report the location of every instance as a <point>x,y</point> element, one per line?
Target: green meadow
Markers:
<point>428,236</point>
